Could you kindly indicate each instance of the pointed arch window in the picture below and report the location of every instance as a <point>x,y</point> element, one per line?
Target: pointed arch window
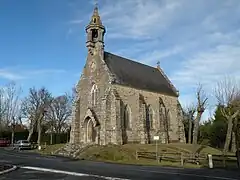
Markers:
<point>94,91</point>
<point>127,117</point>
<point>161,112</point>
<point>149,117</point>
<point>164,114</point>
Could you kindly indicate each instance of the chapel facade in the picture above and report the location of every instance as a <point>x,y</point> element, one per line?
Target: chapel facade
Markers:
<point>122,101</point>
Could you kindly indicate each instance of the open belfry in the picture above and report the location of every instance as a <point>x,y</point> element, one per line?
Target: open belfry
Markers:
<point>121,101</point>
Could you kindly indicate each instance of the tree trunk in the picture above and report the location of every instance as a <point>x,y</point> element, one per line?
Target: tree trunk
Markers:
<point>166,126</point>
<point>237,137</point>
<point>228,135</point>
<point>233,146</point>
<point>167,137</point>
<point>51,138</point>
<point>237,146</point>
<point>190,132</point>
<point>30,134</point>
<point>196,128</point>
<point>39,131</point>
<point>12,137</point>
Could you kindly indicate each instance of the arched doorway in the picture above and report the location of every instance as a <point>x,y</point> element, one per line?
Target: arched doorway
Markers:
<point>90,131</point>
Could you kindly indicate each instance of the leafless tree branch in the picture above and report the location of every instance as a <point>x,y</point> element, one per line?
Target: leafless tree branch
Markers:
<point>201,106</point>
<point>227,93</point>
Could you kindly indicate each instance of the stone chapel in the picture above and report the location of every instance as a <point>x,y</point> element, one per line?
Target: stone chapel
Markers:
<point>122,101</point>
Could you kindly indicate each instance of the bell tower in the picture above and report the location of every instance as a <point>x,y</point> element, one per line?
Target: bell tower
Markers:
<point>95,34</point>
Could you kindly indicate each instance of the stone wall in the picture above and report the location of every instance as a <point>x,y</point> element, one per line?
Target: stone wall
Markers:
<point>130,96</point>
<point>89,77</point>
<point>109,109</point>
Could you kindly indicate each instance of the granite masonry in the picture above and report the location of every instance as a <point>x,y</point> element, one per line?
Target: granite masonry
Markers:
<point>122,101</point>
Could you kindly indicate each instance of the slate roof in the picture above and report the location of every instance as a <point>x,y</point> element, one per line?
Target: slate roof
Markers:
<point>137,75</point>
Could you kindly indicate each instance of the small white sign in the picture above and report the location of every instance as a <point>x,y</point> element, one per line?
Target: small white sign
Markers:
<point>155,138</point>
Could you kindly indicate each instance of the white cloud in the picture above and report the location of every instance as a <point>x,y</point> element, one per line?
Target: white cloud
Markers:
<point>16,73</point>
<point>9,75</point>
<point>138,19</point>
<point>210,66</point>
<point>77,21</point>
<point>194,41</point>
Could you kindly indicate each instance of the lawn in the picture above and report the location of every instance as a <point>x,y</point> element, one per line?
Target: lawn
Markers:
<point>49,149</point>
<point>127,153</point>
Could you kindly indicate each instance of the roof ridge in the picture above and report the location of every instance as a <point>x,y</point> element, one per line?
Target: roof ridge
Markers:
<point>168,80</point>
<point>128,59</point>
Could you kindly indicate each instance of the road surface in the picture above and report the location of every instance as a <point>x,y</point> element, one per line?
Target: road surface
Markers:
<point>35,166</point>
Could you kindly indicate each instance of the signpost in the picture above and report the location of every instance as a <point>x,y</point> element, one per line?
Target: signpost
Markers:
<point>156,138</point>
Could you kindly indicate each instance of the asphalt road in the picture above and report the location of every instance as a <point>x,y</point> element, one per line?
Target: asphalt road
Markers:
<point>35,166</point>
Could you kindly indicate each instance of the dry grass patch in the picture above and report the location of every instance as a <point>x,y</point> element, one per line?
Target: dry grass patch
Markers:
<point>125,154</point>
<point>49,149</point>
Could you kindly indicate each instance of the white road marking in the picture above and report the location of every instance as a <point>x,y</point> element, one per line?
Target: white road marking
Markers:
<point>8,170</point>
<point>193,175</point>
<point>70,173</point>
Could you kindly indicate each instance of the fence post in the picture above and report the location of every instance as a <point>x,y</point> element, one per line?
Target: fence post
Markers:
<point>210,161</point>
<point>224,161</point>
<point>136,155</point>
<point>182,160</point>
<point>156,151</point>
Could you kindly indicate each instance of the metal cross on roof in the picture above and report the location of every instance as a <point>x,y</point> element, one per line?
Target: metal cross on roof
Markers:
<point>96,3</point>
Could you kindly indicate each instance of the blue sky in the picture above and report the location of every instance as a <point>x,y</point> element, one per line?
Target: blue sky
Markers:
<point>42,42</point>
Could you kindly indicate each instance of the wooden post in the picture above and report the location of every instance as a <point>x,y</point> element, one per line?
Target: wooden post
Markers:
<point>156,151</point>
<point>210,161</point>
<point>224,161</point>
<point>156,138</point>
<point>136,155</point>
<point>182,160</point>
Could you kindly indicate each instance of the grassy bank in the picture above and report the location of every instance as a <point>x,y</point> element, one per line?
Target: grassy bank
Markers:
<point>126,154</point>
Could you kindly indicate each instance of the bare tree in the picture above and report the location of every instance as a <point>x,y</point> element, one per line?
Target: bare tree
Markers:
<point>34,107</point>
<point>227,93</point>
<point>3,122</point>
<point>12,105</point>
<point>188,114</point>
<point>59,112</point>
<point>201,106</point>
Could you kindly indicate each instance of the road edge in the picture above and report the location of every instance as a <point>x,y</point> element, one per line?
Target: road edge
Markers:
<point>8,170</point>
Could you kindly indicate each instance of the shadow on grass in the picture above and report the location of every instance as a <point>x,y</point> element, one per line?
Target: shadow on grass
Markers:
<point>230,164</point>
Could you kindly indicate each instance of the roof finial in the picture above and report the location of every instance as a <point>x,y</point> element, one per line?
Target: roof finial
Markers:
<point>158,65</point>
<point>96,3</point>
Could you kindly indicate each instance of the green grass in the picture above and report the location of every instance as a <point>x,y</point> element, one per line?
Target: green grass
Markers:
<point>126,154</point>
<point>48,149</point>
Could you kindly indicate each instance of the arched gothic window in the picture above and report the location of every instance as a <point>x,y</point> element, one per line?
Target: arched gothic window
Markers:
<point>127,117</point>
<point>94,95</point>
<point>164,115</point>
<point>161,112</point>
<point>149,117</point>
